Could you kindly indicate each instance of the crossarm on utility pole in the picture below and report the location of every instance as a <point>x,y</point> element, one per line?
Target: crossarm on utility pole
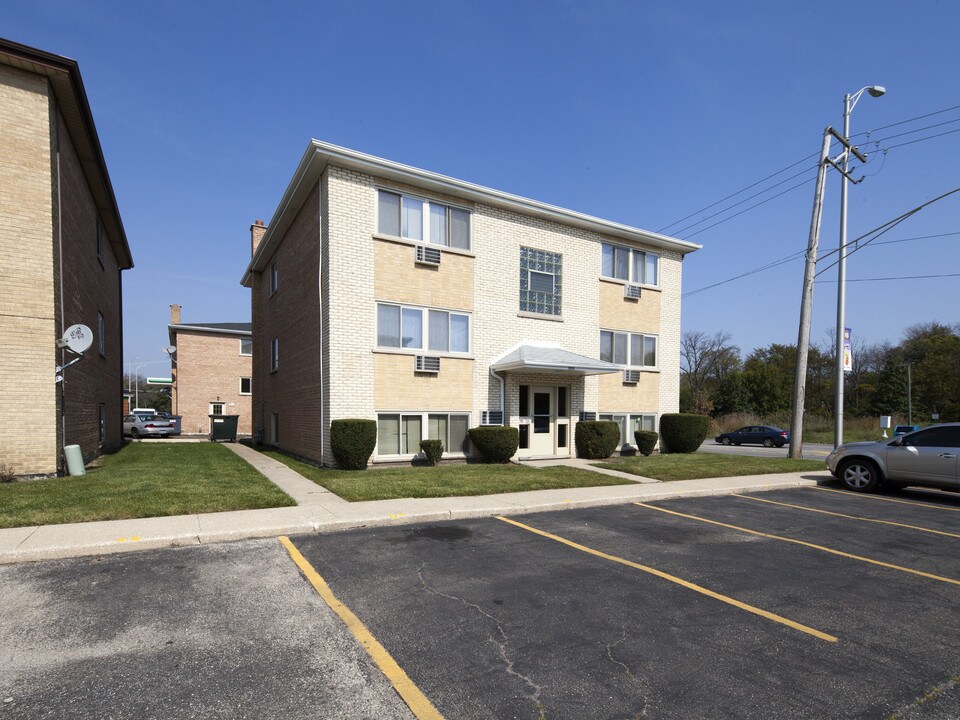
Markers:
<point>806,304</point>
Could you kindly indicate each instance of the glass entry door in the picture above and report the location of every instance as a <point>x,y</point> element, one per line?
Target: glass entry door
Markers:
<point>542,429</point>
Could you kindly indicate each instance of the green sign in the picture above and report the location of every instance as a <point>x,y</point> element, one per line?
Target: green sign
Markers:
<point>159,381</point>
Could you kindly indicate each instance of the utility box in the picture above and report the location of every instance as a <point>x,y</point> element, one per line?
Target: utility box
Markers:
<point>223,427</point>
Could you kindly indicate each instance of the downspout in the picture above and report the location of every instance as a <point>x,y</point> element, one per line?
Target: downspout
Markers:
<point>320,294</point>
<point>63,400</point>
<point>502,417</point>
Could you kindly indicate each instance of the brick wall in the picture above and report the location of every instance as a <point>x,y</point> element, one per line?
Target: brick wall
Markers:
<point>91,286</point>
<point>209,366</point>
<point>28,435</point>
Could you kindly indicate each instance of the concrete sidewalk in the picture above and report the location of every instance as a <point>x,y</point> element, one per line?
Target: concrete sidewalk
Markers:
<point>320,511</point>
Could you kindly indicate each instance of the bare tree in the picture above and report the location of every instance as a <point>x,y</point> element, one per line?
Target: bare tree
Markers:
<point>706,357</point>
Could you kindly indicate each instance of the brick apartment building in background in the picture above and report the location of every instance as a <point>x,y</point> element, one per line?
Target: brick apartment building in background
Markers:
<point>432,305</point>
<point>211,372</point>
<point>62,251</point>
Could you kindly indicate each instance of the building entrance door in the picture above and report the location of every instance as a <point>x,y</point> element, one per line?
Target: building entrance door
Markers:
<point>542,435</point>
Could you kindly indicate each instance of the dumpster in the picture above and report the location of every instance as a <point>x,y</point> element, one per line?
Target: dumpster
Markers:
<point>223,427</point>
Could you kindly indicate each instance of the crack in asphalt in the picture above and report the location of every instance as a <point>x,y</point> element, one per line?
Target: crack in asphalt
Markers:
<point>929,695</point>
<point>629,673</point>
<point>501,643</point>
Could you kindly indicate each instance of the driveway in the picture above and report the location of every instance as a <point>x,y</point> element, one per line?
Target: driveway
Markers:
<point>807,603</point>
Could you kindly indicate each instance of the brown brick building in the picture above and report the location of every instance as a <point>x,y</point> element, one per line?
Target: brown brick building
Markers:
<point>62,250</point>
<point>212,372</point>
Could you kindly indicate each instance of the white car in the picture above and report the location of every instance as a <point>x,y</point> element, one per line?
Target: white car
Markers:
<point>925,457</point>
<point>138,426</point>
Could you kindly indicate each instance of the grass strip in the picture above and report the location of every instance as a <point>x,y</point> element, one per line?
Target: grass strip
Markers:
<point>695,466</point>
<point>143,479</point>
<point>442,481</point>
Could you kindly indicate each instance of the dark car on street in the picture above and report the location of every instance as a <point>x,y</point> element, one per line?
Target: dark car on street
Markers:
<point>755,435</point>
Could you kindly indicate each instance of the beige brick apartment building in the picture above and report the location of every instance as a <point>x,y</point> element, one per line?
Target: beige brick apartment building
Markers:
<point>211,372</point>
<point>62,249</point>
<point>432,305</point>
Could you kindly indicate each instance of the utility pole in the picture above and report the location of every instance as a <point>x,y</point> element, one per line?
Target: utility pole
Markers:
<point>806,299</point>
<point>909,396</point>
<point>806,305</point>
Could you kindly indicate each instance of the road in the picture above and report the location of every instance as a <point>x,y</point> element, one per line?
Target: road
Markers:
<point>811,451</point>
<point>813,602</point>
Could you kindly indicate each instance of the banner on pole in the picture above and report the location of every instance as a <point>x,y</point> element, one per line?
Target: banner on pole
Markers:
<point>847,354</point>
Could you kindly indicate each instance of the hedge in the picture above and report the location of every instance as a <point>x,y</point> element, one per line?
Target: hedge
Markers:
<point>496,443</point>
<point>683,432</point>
<point>597,439</point>
<point>433,449</point>
<point>352,442</point>
<point>646,441</point>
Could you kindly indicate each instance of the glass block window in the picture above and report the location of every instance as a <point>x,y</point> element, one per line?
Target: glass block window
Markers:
<point>541,281</point>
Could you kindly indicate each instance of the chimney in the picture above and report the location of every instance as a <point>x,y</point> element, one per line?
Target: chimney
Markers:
<point>256,235</point>
<point>174,314</point>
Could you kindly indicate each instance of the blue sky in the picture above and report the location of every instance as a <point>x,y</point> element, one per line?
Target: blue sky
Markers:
<point>637,112</point>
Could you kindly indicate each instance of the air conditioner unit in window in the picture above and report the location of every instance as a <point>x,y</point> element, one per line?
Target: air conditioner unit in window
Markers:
<point>631,292</point>
<point>426,364</point>
<point>585,415</point>
<point>428,255</point>
<point>631,377</point>
<point>491,417</point>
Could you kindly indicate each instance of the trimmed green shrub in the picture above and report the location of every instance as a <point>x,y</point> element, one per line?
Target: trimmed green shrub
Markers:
<point>433,449</point>
<point>496,443</point>
<point>646,441</point>
<point>597,439</point>
<point>682,432</point>
<point>6,473</point>
<point>352,442</point>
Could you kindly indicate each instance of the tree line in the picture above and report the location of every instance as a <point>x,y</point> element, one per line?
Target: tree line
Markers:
<point>716,380</point>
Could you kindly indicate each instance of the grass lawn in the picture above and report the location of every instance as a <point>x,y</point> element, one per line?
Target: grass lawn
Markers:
<point>692,466</point>
<point>442,481</point>
<point>144,479</point>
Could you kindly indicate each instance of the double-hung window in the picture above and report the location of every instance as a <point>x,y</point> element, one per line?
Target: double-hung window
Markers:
<point>541,281</point>
<point>629,423</point>
<point>633,349</point>
<point>101,334</point>
<point>275,353</point>
<point>634,266</point>
<point>401,326</point>
<point>246,346</point>
<point>401,433</point>
<point>274,278</point>
<point>422,220</point>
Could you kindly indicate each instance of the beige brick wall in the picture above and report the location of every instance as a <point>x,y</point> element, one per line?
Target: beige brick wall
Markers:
<point>209,366</point>
<point>397,278</point>
<point>619,313</point>
<point>28,417</point>
<point>398,387</point>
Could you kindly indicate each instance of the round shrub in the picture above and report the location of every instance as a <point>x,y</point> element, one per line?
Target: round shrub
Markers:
<point>496,443</point>
<point>433,449</point>
<point>646,441</point>
<point>597,439</point>
<point>352,442</point>
<point>682,432</point>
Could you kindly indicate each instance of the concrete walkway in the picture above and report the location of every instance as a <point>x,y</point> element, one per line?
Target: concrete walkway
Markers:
<point>320,511</point>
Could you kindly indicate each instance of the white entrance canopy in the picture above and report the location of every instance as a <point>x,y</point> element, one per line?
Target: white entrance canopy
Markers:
<point>552,359</point>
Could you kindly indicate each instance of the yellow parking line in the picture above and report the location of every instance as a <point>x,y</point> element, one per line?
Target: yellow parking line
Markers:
<point>672,578</point>
<point>848,517</point>
<point>805,544</point>
<point>422,708</point>
<point>886,499</point>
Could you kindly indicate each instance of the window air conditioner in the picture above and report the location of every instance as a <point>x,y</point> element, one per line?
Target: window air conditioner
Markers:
<point>427,255</point>
<point>631,377</point>
<point>426,364</point>
<point>491,417</point>
<point>631,292</point>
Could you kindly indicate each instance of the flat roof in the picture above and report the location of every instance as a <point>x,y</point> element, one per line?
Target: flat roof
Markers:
<point>319,155</point>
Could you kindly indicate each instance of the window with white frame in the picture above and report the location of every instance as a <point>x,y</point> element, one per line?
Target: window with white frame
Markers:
<point>401,433</point>
<point>246,346</point>
<point>274,353</point>
<point>245,386</point>
<point>634,266</point>
<point>629,423</point>
<point>101,334</point>
<point>417,328</point>
<point>541,281</point>
<point>414,218</point>
<point>274,278</point>
<point>631,349</point>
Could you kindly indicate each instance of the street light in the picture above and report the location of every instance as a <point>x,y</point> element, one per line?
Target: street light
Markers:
<point>849,102</point>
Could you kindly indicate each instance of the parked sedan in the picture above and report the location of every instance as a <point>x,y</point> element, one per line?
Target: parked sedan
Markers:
<point>755,435</point>
<point>925,457</point>
<point>137,426</point>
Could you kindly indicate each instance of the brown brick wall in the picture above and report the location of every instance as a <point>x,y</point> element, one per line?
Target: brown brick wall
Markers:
<point>209,366</point>
<point>293,315</point>
<point>91,285</point>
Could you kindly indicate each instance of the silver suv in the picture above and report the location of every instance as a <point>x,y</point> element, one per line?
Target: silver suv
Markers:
<point>925,457</point>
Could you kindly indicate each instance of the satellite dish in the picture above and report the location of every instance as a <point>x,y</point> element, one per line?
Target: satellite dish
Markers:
<point>170,349</point>
<point>78,338</point>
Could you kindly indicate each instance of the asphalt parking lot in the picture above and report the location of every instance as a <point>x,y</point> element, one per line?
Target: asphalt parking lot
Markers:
<point>807,603</point>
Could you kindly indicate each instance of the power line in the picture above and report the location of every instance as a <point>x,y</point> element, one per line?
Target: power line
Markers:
<point>775,263</point>
<point>899,277</point>
<point>756,205</point>
<point>904,122</point>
